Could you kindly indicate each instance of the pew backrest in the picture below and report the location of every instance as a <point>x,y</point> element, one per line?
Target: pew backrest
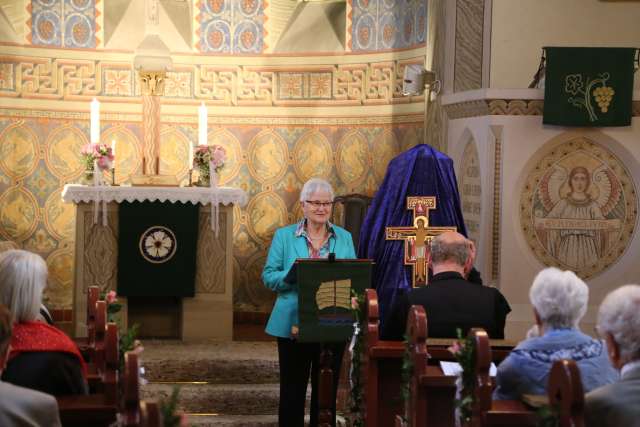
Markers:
<point>566,393</point>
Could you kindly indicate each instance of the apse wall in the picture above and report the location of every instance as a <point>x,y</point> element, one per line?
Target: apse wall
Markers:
<point>283,118</point>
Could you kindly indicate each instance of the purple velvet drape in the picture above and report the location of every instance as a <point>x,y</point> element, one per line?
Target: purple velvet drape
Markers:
<point>420,171</point>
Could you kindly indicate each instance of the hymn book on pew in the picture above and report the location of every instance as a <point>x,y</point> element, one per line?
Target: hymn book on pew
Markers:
<point>454,368</point>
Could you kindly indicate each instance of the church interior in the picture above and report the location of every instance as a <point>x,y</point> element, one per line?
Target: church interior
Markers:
<point>294,90</point>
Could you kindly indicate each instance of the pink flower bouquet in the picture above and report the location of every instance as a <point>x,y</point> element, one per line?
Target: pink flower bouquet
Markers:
<point>97,152</point>
<point>206,155</point>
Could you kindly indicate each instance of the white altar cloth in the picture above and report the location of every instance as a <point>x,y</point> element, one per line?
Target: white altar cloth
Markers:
<point>75,193</point>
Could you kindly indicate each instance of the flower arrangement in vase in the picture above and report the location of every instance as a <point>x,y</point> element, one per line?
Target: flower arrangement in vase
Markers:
<point>206,157</point>
<point>96,154</point>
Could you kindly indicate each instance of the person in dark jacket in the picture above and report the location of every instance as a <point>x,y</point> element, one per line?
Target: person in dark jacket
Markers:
<point>42,357</point>
<point>450,301</point>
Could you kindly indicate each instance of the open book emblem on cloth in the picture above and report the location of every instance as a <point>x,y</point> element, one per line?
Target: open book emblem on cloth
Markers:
<point>417,238</point>
<point>158,244</point>
<point>334,302</point>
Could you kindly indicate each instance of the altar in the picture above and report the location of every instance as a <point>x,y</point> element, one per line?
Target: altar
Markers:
<point>206,315</point>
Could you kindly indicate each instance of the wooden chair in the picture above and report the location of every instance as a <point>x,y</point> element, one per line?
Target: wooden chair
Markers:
<point>352,209</point>
<point>135,412</point>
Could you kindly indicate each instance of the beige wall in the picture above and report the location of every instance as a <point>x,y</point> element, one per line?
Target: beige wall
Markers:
<point>520,28</point>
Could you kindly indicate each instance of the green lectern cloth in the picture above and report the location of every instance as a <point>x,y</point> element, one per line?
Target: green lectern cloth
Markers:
<point>157,249</point>
<point>324,297</point>
<point>588,86</point>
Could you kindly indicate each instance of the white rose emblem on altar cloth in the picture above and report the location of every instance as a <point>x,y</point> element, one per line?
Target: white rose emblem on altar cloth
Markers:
<point>158,244</point>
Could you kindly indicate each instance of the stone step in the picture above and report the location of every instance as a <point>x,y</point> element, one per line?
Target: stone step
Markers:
<point>212,362</point>
<point>205,420</point>
<point>223,399</point>
<point>197,420</point>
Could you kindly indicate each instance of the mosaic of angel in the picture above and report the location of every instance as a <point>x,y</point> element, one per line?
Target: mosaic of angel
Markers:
<point>579,212</point>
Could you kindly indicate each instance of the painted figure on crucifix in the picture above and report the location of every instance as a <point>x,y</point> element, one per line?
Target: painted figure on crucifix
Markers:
<point>417,238</point>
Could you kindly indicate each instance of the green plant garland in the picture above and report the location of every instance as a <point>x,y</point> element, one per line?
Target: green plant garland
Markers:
<point>355,374</point>
<point>463,350</point>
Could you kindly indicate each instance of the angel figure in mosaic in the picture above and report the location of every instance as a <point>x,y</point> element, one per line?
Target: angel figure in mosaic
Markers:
<point>577,220</point>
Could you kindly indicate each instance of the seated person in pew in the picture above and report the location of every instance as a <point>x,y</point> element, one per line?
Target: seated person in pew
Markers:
<point>42,357</point>
<point>21,406</point>
<point>618,404</point>
<point>559,300</point>
<point>451,302</point>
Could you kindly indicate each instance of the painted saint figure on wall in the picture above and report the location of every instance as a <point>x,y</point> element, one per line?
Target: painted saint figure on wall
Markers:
<point>580,246</point>
<point>577,211</point>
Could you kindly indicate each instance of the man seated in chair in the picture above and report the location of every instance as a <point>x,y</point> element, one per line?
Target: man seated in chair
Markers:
<point>451,302</point>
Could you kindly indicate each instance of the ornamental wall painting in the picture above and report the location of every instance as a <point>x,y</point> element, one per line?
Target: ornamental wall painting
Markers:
<point>63,23</point>
<point>579,207</point>
<point>231,26</point>
<point>386,24</point>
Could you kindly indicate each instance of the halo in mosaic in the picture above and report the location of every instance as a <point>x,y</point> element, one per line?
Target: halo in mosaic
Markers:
<point>312,156</point>
<point>578,207</point>
<point>385,148</point>
<point>62,153</point>
<point>18,150</point>
<point>128,150</point>
<point>174,152</point>
<point>268,156</point>
<point>232,146</point>
<point>59,217</point>
<point>18,214</point>
<point>267,212</point>
<point>352,159</point>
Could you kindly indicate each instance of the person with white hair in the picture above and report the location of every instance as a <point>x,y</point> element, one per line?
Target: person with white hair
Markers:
<point>42,357</point>
<point>20,406</point>
<point>559,300</point>
<point>618,404</point>
<point>313,237</point>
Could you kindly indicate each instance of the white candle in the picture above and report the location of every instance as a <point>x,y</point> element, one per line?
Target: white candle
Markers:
<point>113,148</point>
<point>202,124</point>
<point>190,165</point>
<point>96,172</point>
<point>95,121</point>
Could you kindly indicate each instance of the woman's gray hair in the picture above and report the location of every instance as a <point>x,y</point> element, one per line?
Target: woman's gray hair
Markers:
<point>559,297</point>
<point>619,315</point>
<point>315,185</point>
<point>23,277</point>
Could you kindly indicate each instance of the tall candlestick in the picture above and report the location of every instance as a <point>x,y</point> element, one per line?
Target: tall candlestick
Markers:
<point>95,121</point>
<point>190,165</point>
<point>202,124</point>
<point>96,172</point>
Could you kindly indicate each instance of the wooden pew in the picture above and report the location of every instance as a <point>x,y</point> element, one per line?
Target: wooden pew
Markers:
<point>100,407</point>
<point>382,365</point>
<point>431,392</point>
<point>485,411</point>
<point>86,345</point>
<point>564,392</point>
<point>135,412</point>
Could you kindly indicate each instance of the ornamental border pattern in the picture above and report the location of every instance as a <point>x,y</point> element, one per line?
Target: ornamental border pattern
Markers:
<point>221,120</point>
<point>369,83</point>
<point>505,107</point>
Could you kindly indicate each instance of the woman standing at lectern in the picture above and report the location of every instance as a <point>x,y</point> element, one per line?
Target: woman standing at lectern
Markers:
<point>313,237</point>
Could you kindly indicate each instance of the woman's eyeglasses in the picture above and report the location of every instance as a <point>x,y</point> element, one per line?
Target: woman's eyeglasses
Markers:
<point>318,204</point>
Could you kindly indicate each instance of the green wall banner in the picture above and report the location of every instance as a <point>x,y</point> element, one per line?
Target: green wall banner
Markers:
<point>588,86</point>
<point>157,249</point>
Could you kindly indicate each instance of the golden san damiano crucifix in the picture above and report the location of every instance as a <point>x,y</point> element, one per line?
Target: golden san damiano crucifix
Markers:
<point>417,238</point>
